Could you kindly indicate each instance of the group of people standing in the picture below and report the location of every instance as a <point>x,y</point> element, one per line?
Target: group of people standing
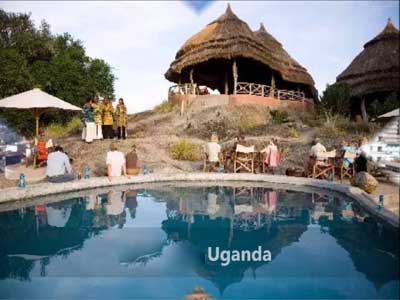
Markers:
<point>100,117</point>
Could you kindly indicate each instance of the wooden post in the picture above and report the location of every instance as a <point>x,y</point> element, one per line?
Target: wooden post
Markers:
<point>235,76</point>
<point>37,112</point>
<point>191,81</point>
<point>271,92</point>
<point>182,107</point>
<point>226,83</point>
<point>363,110</point>
<point>191,76</point>
<point>37,124</point>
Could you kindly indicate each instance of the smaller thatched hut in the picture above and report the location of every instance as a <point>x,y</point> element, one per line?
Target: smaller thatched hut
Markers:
<point>374,73</point>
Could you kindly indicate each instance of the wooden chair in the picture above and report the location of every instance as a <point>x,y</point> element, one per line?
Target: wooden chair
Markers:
<point>209,166</point>
<point>40,154</point>
<point>324,165</point>
<point>343,168</point>
<point>322,170</point>
<point>228,158</point>
<point>244,159</point>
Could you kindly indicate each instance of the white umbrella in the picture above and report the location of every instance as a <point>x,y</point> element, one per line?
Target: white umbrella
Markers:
<point>37,101</point>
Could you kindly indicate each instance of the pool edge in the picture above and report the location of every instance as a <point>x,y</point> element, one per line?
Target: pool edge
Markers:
<point>47,189</point>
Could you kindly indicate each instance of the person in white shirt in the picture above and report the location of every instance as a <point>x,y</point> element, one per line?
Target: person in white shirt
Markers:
<point>314,155</point>
<point>317,148</point>
<point>58,166</point>
<point>213,149</point>
<point>116,165</point>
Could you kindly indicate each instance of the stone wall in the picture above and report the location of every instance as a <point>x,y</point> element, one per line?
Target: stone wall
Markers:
<point>205,101</point>
<point>270,102</point>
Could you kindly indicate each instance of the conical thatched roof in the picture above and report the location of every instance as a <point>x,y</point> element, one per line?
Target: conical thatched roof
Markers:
<point>280,60</point>
<point>229,37</point>
<point>376,68</point>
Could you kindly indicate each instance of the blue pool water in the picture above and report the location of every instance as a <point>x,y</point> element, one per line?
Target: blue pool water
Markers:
<point>153,244</point>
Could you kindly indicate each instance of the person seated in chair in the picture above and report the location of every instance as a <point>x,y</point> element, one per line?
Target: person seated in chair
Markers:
<point>272,156</point>
<point>347,161</point>
<point>58,166</point>
<point>212,152</point>
<point>314,155</point>
<point>115,161</point>
<point>317,148</point>
<point>131,162</point>
<point>42,145</point>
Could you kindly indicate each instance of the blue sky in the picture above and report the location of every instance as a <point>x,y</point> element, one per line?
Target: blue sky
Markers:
<point>140,39</point>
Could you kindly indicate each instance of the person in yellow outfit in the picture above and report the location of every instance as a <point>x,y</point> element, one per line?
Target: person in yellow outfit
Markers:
<point>98,118</point>
<point>121,117</point>
<point>108,119</point>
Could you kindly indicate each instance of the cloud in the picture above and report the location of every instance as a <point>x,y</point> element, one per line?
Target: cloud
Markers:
<point>140,39</point>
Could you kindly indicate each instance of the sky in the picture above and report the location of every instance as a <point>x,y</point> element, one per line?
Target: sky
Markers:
<point>140,39</point>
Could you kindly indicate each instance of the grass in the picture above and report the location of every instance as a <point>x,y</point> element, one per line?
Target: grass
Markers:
<point>294,132</point>
<point>335,125</point>
<point>247,124</point>
<point>184,150</point>
<point>57,130</point>
<point>279,116</point>
<point>163,107</point>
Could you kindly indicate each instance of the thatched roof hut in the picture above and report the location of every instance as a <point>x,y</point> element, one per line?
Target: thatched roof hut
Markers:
<point>376,68</point>
<point>227,51</point>
<point>375,71</point>
<point>280,61</point>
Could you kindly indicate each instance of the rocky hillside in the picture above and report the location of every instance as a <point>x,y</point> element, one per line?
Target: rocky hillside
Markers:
<point>155,133</point>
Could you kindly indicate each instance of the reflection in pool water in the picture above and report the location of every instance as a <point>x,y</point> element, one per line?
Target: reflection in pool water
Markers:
<point>152,245</point>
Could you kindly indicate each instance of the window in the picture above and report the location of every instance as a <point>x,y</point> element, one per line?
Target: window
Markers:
<point>380,149</point>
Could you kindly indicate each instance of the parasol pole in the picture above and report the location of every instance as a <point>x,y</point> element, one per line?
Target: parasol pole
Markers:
<point>37,112</point>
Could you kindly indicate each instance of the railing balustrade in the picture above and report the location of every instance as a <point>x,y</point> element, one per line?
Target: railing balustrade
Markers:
<point>246,88</point>
<point>243,88</point>
<point>183,89</point>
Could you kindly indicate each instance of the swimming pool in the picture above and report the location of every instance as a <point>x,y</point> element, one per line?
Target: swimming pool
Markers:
<point>161,243</point>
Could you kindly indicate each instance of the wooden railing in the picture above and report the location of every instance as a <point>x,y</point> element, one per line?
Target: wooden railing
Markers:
<point>183,89</point>
<point>256,89</point>
<point>243,88</point>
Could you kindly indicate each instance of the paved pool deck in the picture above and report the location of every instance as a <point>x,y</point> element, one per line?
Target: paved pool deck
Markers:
<point>14,196</point>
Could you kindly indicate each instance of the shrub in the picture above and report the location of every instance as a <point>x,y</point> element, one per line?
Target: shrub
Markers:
<point>183,150</point>
<point>74,126</point>
<point>163,107</point>
<point>334,125</point>
<point>284,152</point>
<point>57,130</point>
<point>294,132</point>
<point>247,124</point>
<point>279,116</point>
<point>312,118</point>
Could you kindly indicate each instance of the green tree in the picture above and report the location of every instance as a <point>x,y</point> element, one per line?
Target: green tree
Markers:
<point>377,107</point>
<point>100,75</point>
<point>336,99</point>
<point>15,74</point>
<point>58,64</point>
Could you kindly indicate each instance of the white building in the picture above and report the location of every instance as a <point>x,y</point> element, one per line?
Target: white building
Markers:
<point>385,146</point>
